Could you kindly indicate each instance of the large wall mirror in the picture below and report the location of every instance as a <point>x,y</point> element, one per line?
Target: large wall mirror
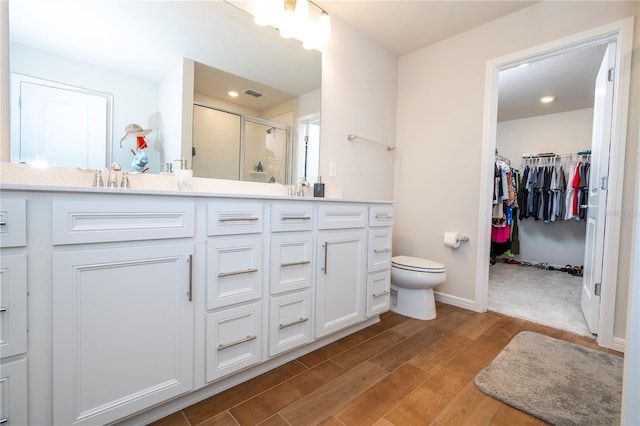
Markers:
<point>122,62</point>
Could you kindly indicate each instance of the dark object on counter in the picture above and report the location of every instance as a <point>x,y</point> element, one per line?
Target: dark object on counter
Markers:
<point>318,188</point>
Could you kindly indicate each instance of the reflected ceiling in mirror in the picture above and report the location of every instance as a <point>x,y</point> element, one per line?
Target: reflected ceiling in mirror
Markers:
<point>143,38</point>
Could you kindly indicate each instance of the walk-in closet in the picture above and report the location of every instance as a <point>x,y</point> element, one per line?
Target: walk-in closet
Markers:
<point>541,186</point>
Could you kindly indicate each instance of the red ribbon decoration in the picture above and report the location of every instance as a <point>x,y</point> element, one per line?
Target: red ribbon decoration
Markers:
<point>140,143</point>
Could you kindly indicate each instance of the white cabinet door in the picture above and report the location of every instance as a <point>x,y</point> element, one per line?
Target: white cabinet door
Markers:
<point>378,292</point>
<point>379,252</point>
<point>340,280</point>
<point>13,393</point>
<point>234,339</point>
<point>291,261</point>
<point>13,305</point>
<point>234,270</point>
<point>289,321</point>
<point>122,330</point>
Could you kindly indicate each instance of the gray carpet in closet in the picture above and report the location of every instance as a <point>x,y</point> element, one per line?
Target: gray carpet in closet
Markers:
<point>542,296</point>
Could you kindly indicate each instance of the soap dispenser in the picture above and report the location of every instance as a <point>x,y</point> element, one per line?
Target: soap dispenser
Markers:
<point>183,175</point>
<point>318,188</point>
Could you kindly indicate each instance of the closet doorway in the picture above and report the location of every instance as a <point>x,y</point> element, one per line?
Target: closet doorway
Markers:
<point>549,265</point>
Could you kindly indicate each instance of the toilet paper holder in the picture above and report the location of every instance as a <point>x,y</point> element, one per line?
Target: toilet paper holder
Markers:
<point>462,239</point>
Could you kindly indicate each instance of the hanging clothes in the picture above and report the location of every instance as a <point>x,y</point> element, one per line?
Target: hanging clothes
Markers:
<point>549,193</point>
<point>505,207</point>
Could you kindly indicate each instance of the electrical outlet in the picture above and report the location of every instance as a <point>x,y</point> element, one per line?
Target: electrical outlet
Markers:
<point>332,169</point>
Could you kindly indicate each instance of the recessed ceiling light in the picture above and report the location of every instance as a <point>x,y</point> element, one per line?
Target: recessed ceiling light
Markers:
<point>526,64</point>
<point>547,99</point>
<point>233,93</point>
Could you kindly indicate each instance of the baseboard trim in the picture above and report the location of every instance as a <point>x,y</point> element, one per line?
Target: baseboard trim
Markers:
<point>618,344</point>
<point>456,301</point>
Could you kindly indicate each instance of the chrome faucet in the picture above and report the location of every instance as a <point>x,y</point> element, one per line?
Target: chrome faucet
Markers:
<point>113,175</point>
<point>301,186</point>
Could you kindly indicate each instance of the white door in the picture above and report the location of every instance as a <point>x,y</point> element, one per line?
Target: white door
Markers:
<point>340,280</point>
<point>122,330</point>
<point>601,140</point>
<point>65,127</point>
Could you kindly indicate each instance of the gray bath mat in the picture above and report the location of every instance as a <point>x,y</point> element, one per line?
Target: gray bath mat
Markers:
<point>556,381</point>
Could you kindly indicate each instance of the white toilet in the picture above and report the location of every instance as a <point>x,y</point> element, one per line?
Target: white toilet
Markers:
<point>414,279</point>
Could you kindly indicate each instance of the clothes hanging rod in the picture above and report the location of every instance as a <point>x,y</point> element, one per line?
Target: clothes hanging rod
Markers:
<point>351,138</point>
<point>553,155</point>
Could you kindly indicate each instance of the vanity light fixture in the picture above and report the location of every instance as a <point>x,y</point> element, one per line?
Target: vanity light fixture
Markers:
<point>301,19</point>
<point>547,99</point>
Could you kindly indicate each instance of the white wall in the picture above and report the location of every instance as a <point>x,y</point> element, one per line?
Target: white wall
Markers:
<point>135,100</point>
<point>557,243</point>
<point>439,137</point>
<point>358,97</point>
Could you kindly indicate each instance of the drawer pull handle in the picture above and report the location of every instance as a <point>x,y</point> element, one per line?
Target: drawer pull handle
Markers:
<point>239,342</point>
<point>296,217</point>
<point>382,250</point>
<point>293,323</point>
<point>190,262</point>
<point>237,219</point>
<point>246,271</point>
<point>384,216</point>
<point>384,293</point>
<point>302,262</point>
<point>326,254</point>
<point>3,223</point>
<point>4,420</point>
<point>3,309</point>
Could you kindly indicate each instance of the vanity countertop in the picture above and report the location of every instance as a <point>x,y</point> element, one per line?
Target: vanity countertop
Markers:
<point>21,177</point>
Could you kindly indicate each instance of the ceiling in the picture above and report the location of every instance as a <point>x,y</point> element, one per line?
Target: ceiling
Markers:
<point>402,27</point>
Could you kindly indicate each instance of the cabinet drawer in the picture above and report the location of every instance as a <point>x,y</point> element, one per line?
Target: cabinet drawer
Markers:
<point>342,216</point>
<point>381,216</point>
<point>378,293</point>
<point>289,321</point>
<point>13,393</point>
<point>379,252</point>
<point>234,340</point>
<point>234,270</point>
<point>13,305</point>
<point>291,261</point>
<point>234,217</point>
<point>291,217</point>
<point>79,222</point>
<point>13,223</point>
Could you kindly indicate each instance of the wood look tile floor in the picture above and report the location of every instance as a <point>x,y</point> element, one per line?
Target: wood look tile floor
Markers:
<point>400,372</point>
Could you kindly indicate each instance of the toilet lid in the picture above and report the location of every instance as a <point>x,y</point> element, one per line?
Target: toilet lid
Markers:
<point>417,264</point>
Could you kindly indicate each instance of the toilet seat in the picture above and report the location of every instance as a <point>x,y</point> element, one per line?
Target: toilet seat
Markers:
<point>417,264</point>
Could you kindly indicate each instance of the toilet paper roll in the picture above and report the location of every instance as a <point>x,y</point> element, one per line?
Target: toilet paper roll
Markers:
<point>452,239</point>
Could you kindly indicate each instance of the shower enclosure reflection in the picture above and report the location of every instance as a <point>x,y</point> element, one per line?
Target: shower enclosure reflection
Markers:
<point>229,145</point>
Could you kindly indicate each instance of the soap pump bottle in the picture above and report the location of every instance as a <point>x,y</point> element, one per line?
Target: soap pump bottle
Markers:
<point>183,175</point>
<point>318,188</point>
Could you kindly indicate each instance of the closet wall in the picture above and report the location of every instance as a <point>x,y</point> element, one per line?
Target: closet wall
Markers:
<point>556,243</point>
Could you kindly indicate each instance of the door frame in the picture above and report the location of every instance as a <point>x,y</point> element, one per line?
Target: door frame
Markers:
<point>622,32</point>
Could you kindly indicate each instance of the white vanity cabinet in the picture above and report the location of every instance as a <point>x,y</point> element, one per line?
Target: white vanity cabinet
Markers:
<point>290,276</point>
<point>379,259</point>
<point>13,312</point>
<point>139,303</point>
<point>122,323</point>
<point>234,286</point>
<point>340,267</point>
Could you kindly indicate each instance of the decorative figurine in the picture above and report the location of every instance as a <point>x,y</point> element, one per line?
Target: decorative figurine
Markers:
<point>140,159</point>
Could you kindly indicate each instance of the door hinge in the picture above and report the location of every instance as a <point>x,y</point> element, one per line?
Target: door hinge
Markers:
<point>598,289</point>
<point>610,74</point>
<point>20,102</point>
